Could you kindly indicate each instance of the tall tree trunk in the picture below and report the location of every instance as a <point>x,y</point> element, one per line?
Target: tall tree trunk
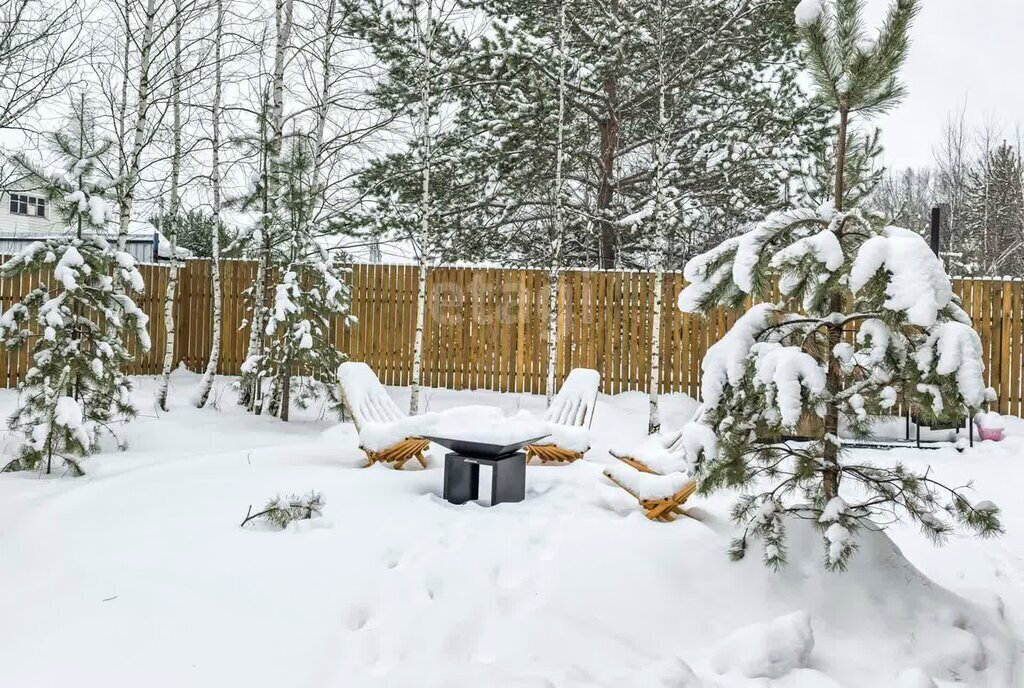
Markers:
<point>122,108</point>
<point>424,243</point>
<point>559,228</point>
<point>283,25</point>
<point>285,385</point>
<point>417,347</point>
<point>834,377</point>
<point>206,383</point>
<point>660,229</point>
<point>127,199</point>
<point>175,203</point>
<point>303,227</point>
<point>607,238</point>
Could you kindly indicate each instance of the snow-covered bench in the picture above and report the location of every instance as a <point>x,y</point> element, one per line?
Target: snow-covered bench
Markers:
<point>659,454</point>
<point>568,419</point>
<point>386,435</point>
<point>653,473</point>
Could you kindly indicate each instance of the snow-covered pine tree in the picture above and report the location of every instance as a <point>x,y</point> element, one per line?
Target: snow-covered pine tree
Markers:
<point>310,293</point>
<point>78,318</point>
<point>728,72</point>
<point>994,213</point>
<point>867,318</point>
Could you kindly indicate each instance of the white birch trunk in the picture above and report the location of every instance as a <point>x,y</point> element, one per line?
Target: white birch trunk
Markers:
<point>559,229</point>
<point>425,36</point>
<point>139,141</point>
<point>174,208</point>
<point>206,383</point>
<point>417,357</point>
<point>283,24</point>
<point>654,385</point>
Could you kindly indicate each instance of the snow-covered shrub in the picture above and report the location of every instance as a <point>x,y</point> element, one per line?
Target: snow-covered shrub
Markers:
<point>78,318</point>
<point>280,511</point>
<point>865,317</point>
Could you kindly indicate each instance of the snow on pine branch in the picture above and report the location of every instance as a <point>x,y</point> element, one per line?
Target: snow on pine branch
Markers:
<point>953,352</point>
<point>728,273</point>
<point>782,374</point>
<point>916,282</point>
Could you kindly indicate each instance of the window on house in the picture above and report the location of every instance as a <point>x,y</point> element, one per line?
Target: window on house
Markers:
<point>23,204</point>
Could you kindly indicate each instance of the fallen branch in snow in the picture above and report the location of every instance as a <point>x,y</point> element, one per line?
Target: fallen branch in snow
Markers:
<point>280,513</point>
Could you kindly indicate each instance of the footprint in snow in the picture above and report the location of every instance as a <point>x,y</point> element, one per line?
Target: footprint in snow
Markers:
<point>433,587</point>
<point>392,558</point>
<point>357,618</point>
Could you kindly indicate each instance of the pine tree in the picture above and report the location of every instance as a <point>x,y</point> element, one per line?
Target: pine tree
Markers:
<point>867,317</point>
<point>79,318</point>
<point>311,292</point>
<point>730,126</point>
<point>994,213</point>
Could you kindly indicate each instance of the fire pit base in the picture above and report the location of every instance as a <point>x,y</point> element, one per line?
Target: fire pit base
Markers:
<point>462,478</point>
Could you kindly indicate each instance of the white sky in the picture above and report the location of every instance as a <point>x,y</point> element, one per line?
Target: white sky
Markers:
<point>964,53</point>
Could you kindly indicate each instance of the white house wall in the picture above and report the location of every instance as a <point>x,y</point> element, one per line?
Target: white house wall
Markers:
<point>13,225</point>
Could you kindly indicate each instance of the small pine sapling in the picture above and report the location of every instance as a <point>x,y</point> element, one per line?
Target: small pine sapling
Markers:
<point>280,511</point>
<point>79,317</point>
<point>300,357</point>
<point>866,318</point>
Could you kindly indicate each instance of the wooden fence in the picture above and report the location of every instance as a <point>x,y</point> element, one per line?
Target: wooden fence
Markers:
<point>486,328</point>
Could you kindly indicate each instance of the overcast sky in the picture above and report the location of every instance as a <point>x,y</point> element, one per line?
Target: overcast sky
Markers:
<point>964,53</point>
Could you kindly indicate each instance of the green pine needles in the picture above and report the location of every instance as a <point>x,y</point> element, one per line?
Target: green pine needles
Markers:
<point>77,320</point>
<point>281,511</point>
<point>297,352</point>
<point>852,318</point>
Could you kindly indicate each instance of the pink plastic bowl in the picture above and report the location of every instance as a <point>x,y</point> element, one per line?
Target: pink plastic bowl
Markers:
<point>994,434</point>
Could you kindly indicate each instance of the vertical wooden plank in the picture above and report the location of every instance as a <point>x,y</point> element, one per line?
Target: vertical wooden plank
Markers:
<point>505,315</point>
<point>1016,344</point>
<point>1005,312</point>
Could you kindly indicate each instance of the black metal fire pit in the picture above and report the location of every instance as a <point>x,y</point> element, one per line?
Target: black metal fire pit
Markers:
<point>462,469</point>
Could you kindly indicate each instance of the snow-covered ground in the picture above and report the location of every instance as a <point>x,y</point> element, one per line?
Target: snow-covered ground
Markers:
<point>139,574</point>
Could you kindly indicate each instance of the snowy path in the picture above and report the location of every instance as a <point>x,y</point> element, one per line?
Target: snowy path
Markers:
<point>138,575</point>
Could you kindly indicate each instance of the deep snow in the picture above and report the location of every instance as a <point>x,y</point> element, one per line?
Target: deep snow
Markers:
<point>138,574</point>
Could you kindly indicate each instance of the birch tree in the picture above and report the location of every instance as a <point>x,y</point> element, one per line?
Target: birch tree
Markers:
<point>558,229</point>
<point>659,224</point>
<point>130,161</point>
<point>39,44</point>
<point>419,43</point>
<point>424,35</point>
<point>251,395</point>
<point>174,210</point>
<point>206,383</point>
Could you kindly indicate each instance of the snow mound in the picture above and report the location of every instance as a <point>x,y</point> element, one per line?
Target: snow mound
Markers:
<point>770,650</point>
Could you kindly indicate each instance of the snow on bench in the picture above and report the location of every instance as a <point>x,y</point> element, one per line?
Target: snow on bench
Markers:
<point>647,486</point>
<point>663,453</point>
<point>572,411</point>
